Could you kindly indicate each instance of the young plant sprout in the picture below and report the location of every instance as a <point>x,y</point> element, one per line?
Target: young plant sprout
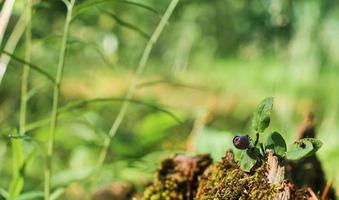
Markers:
<point>252,153</point>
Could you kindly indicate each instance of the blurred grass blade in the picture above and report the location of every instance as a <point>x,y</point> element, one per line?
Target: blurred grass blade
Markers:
<point>3,193</point>
<point>11,43</point>
<point>133,85</point>
<point>81,103</point>
<point>88,5</point>
<point>57,193</point>
<point>33,195</point>
<point>17,182</point>
<point>19,137</point>
<point>66,177</point>
<point>55,101</point>
<point>126,24</point>
<point>73,40</point>
<point>5,14</point>
<point>37,124</point>
<point>33,91</point>
<point>19,166</point>
<point>140,5</point>
<point>170,82</point>
<point>32,66</point>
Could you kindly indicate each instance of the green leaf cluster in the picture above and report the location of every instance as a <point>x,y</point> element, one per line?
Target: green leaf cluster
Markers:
<point>261,119</point>
<point>300,149</point>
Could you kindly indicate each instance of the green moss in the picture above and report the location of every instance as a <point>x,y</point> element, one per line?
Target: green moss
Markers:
<point>225,180</point>
<point>177,178</point>
<point>194,178</point>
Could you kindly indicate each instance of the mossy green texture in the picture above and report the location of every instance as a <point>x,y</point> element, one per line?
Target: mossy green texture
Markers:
<point>177,178</point>
<point>195,178</point>
<point>226,181</point>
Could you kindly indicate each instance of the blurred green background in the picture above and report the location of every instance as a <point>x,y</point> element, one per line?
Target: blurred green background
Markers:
<point>214,62</point>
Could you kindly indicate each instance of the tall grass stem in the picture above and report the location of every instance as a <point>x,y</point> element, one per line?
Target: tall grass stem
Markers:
<point>56,93</point>
<point>139,71</point>
<point>17,182</point>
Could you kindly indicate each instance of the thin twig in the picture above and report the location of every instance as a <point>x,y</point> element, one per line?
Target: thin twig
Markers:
<point>140,69</point>
<point>326,189</point>
<point>313,195</point>
<point>256,139</point>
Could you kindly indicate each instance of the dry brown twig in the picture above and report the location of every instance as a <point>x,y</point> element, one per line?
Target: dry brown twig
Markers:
<point>326,189</point>
<point>313,195</point>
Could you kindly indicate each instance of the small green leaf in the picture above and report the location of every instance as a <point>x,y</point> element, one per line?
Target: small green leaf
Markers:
<point>261,119</point>
<point>276,142</point>
<point>249,158</point>
<point>316,145</point>
<point>299,149</point>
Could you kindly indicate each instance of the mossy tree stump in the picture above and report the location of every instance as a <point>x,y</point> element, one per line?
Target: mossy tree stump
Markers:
<point>190,178</point>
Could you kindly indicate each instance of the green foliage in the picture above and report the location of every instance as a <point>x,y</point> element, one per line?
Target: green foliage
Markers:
<point>225,180</point>
<point>303,148</point>
<point>277,143</point>
<point>298,150</point>
<point>18,172</point>
<point>261,118</point>
<point>196,42</point>
<point>154,127</point>
<point>31,195</point>
<point>249,158</point>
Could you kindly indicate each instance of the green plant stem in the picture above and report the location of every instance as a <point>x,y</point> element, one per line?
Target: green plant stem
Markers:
<point>25,74</point>
<point>256,139</point>
<point>78,104</point>
<point>140,69</point>
<point>56,93</point>
<point>262,149</point>
<point>17,182</point>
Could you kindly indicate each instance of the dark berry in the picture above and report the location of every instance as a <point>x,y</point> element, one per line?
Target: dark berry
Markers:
<point>241,141</point>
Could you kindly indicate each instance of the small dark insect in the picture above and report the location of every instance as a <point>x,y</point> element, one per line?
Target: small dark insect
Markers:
<point>241,141</point>
<point>300,144</point>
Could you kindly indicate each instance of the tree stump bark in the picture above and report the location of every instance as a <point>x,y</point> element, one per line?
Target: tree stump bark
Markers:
<point>195,178</point>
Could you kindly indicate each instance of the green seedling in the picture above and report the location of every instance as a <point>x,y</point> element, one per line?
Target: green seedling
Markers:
<point>254,151</point>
